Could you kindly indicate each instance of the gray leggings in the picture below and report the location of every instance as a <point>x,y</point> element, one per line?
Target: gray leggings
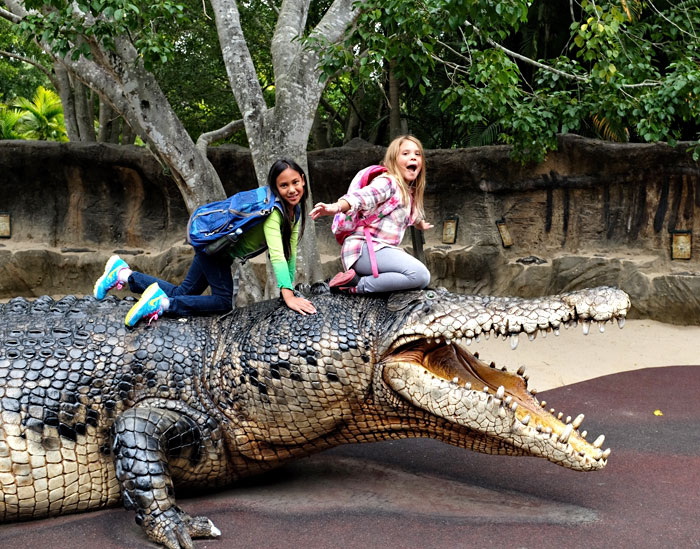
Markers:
<point>397,271</point>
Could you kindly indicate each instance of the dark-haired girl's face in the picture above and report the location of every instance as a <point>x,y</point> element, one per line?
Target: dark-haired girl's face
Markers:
<point>290,185</point>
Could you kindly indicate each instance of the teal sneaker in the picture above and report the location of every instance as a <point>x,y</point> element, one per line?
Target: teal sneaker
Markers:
<point>150,305</point>
<point>109,279</point>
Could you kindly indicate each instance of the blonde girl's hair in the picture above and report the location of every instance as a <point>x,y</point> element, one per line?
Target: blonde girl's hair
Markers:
<point>390,163</point>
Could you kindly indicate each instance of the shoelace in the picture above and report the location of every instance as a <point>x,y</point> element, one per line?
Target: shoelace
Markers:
<point>153,316</point>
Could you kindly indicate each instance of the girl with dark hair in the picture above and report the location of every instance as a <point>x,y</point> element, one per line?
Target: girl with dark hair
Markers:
<point>279,233</point>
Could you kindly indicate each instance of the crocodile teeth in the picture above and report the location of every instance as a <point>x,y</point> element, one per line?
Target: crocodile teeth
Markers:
<point>500,392</point>
<point>514,341</point>
<point>468,386</point>
<point>556,331</point>
<point>508,400</point>
<point>521,370</point>
<point>621,322</point>
<point>584,434</point>
<point>577,422</point>
<point>455,379</point>
<point>514,406</point>
<point>599,441</point>
<point>606,453</point>
<point>564,437</point>
<point>602,327</point>
<point>532,336</point>
<point>525,420</point>
<point>586,327</point>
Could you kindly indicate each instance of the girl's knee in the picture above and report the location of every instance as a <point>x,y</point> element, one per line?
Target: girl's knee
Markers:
<point>419,277</point>
<point>423,278</point>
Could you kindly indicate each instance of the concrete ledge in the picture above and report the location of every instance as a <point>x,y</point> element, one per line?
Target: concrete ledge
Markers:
<point>659,291</point>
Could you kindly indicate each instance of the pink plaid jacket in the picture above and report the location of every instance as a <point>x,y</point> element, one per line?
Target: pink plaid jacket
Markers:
<point>386,231</point>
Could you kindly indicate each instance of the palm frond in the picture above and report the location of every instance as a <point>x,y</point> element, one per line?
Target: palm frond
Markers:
<point>8,123</point>
<point>632,8</point>
<point>609,131</point>
<point>480,136</point>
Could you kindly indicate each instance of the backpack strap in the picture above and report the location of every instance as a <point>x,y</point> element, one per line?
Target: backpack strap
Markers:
<point>370,249</point>
<point>368,176</point>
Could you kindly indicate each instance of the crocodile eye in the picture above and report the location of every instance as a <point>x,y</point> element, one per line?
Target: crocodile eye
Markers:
<point>430,294</point>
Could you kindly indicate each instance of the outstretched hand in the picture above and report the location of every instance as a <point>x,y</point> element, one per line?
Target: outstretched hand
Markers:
<point>300,305</point>
<point>423,225</point>
<point>322,208</point>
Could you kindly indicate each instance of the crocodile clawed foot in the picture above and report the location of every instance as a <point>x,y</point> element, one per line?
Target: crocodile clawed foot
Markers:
<point>175,529</point>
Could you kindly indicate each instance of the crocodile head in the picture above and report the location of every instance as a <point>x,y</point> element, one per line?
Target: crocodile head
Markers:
<point>426,365</point>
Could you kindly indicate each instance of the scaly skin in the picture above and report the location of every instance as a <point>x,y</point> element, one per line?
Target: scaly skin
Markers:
<point>93,413</point>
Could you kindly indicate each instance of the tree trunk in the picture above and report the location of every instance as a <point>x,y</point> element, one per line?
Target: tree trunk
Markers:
<point>282,130</point>
<point>83,110</point>
<point>394,103</point>
<point>134,92</point>
<point>106,120</point>
<point>319,132</point>
<point>65,92</point>
<point>128,135</point>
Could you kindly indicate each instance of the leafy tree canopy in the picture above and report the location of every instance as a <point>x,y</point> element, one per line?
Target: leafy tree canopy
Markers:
<point>17,77</point>
<point>627,70</point>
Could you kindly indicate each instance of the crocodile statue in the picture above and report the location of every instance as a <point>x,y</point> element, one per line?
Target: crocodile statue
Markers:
<point>93,413</point>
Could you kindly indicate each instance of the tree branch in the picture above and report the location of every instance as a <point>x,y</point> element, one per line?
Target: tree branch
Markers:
<point>524,59</point>
<point>205,139</point>
<point>548,68</point>
<point>11,17</point>
<point>239,64</point>
<point>286,38</point>
<point>36,64</point>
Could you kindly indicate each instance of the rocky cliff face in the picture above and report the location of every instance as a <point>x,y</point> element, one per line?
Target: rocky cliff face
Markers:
<point>592,213</point>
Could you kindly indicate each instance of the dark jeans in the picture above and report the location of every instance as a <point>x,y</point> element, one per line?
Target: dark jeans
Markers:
<point>186,299</point>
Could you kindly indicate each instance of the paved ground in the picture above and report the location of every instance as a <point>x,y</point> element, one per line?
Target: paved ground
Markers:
<point>424,494</point>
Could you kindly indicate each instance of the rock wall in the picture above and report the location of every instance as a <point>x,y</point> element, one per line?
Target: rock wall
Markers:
<point>592,213</point>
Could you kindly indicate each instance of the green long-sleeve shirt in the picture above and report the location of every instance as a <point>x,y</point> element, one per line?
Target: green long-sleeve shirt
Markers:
<point>270,232</point>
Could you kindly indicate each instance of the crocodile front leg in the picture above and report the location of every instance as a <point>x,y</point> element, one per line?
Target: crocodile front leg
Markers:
<point>144,441</point>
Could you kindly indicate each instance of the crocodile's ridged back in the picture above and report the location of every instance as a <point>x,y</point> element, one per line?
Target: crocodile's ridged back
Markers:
<point>67,369</point>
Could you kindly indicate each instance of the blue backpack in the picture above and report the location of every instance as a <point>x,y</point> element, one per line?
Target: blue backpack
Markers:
<point>214,226</point>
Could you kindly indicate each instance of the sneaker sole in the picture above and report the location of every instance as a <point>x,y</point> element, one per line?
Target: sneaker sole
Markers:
<point>341,279</point>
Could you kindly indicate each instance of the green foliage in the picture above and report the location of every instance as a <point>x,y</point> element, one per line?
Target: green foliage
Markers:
<point>18,78</point>
<point>69,27</point>
<point>8,122</point>
<point>194,80</point>
<point>621,70</point>
<point>41,118</point>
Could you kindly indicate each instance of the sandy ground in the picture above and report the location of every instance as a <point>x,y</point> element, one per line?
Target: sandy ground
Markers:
<point>571,357</point>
